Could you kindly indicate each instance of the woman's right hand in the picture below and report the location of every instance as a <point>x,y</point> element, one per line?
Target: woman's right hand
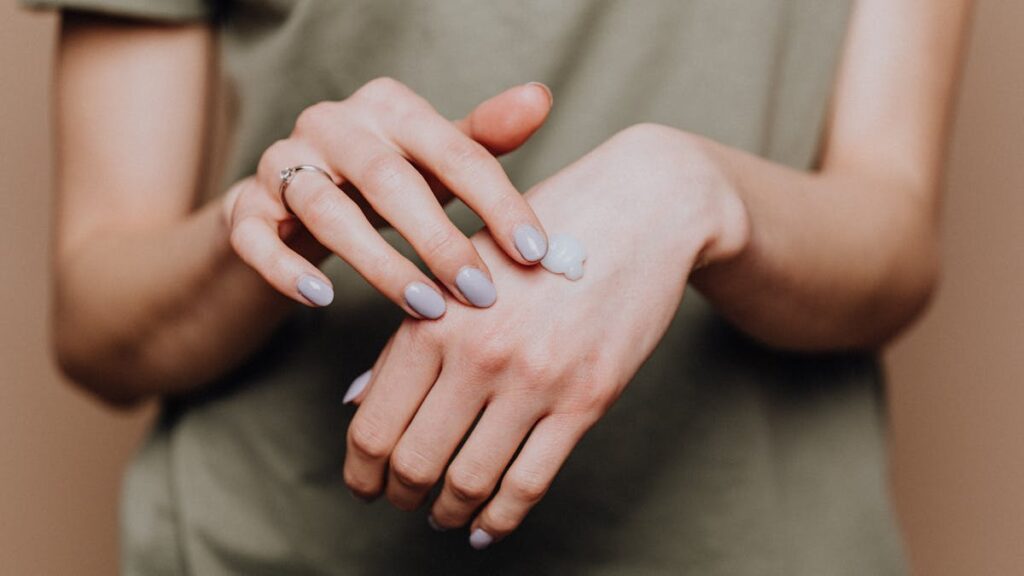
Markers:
<point>387,142</point>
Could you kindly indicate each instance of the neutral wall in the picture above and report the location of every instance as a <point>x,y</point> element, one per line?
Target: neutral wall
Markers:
<point>957,379</point>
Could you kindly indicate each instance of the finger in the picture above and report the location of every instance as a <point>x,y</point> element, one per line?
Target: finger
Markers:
<point>398,192</point>
<point>338,223</point>
<point>501,124</point>
<point>528,479</point>
<point>428,443</point>
<point>504,122</point>
<point>397,388</point>
<point>476,177</point>
<point>474,474</point>
<point>257,242</point>
<point>359,387</point>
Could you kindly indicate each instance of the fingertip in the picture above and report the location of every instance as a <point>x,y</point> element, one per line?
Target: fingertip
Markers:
<point>506,121</point>
<point>356,388</point>
<point>476,287</point>
<point>480,539</point>
<point>315,291</point>
<point>425,301</point>
<point>545,89</point>
<point>530,242</point>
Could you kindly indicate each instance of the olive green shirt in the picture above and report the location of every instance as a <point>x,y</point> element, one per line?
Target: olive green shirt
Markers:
<point>722,456</point>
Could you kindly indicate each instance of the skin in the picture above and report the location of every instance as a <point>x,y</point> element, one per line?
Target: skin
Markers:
<point>842,257</point>
<point>375,139</point>
<point>190,308</point>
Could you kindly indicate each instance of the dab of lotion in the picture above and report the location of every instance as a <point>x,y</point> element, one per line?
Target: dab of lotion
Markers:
<point>565,256</point>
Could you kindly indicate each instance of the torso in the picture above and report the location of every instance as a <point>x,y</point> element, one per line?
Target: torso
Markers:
<point>722,457</point>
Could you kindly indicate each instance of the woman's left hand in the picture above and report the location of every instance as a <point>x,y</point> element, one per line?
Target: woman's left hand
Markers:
<point>548,359</point>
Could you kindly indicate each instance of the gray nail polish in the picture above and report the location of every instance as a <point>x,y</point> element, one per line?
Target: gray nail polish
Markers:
<point>357,386</point>
<point>315,290</point>
<point>434,525</point>
<point>530,243</point>
<point>475,286</point>
<point>424,300</point>
<point>480,539</point>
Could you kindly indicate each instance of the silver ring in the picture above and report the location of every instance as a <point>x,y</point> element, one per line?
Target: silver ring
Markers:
<point>288,174</point>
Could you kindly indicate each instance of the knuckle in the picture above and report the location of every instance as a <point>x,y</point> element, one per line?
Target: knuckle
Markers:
<point>411,469</point>
<point>323,209</point>
<point>382,174</point>
<point>593,399</point>
<point>240,234</point>
<point>449,520</point>
<point>500,520</point>
<point>384,87</point>
<point>273,159</point>
<point>492,353</point>
<point>465,156</point>
<point>315,117</point>
<point>445,241</point>
<point>509,205</point>
<point>424,335</point>
<point>363,487</point>
<point>538,371</point>
<point>383,270</point>
<point>526,487</point>
<point>646,131</point>
<point>368,440</point>
<point>468,485</point>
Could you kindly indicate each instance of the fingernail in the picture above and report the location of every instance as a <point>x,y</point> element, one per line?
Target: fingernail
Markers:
<point>480,539</point>
<point>530,243</point>
<point>424,300</point>
<point>434,525</point>
<point>475,286</point>
<point>551,97</point>
<point>356,387</point>
<point>315,290</point>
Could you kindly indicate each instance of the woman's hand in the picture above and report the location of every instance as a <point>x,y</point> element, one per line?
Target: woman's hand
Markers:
<point>387,142</point>
<point>547,361</point>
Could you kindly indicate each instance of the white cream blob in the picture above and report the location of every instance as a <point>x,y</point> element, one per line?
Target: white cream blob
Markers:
<point>565,256</point>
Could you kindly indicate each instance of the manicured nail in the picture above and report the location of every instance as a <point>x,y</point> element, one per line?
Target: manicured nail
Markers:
<point>551,97</point>
<point>434,525</point>
<point>315,290</point>
<point>475,286</point>
<point>424,300</point>
<point>480,539</point>
<point>356,387</point>
<point>530,243</point>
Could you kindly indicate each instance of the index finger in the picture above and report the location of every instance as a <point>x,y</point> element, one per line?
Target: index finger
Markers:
<point>476,177</point>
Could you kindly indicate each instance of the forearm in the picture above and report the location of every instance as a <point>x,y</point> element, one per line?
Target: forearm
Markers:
<point>837,259</point>
<point>174,309</point>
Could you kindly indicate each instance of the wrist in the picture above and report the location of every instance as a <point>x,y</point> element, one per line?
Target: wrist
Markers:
<point>711,224</point>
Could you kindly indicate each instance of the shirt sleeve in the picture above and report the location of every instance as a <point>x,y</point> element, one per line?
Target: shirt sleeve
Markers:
<point>155,10</point>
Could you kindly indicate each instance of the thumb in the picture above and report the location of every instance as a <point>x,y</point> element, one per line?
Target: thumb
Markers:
<point>504,122</point>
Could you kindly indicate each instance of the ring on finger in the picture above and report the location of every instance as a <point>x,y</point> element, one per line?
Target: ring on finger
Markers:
<point>288,174</point>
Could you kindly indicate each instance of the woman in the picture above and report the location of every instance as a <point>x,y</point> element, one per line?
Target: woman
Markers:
<point>782,158</point>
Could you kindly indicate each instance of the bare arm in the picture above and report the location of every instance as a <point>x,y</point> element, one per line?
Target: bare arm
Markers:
<point>848,256</point>
<point>841,258</point>
<point>151,297</point>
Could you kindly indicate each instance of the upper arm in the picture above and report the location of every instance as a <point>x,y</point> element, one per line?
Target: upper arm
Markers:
<point>131,108</point>
<point>895,88</point>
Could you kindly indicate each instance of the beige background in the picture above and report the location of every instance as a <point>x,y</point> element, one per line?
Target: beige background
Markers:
<point>957,378</point>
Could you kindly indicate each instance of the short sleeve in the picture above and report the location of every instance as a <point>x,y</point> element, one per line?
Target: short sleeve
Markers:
<point>157,10</point>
